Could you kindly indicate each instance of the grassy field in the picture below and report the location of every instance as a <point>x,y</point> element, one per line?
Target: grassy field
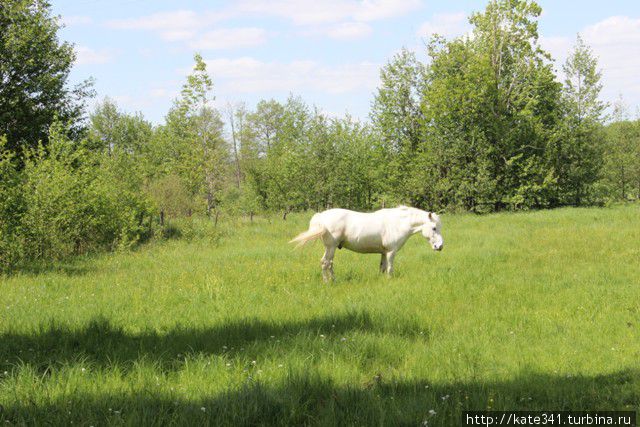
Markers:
<point>520,311</point>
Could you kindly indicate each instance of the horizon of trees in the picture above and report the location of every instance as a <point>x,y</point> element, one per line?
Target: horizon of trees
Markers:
<point>485,125</point>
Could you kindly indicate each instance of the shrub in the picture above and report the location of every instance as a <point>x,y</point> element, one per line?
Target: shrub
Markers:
<point>66,200</point>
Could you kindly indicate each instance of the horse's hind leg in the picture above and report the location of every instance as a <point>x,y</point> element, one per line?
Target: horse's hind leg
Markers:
<point>327,263</point>
<point>383,263</point>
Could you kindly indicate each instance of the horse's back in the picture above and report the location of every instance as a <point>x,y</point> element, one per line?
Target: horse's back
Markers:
<point>358,231</point>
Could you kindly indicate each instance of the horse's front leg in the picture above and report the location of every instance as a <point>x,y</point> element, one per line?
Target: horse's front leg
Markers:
<point>383,263</point>
<point>389,258</point>
<point>327,263</point>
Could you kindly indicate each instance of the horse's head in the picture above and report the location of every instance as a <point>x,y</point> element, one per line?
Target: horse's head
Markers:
<point>431,231</point>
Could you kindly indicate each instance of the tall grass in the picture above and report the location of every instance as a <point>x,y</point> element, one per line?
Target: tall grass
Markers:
<point>520,311</point>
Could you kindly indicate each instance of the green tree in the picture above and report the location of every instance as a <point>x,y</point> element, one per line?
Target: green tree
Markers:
<point>576,152</point>
<point>397,115</point>
<point>490,103</point>
<point>622,156</point>
<point>192,144</point>
<point>34,71</point>
<point>111,129</point>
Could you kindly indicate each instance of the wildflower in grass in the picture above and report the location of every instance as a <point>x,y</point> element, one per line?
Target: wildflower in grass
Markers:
<point>445,397</point>
<point>203,409</point>
<point>432,412</point>
<point>280,365</point>
<point>321,336</point>
<point>253,362</point>
<point>343,339</point>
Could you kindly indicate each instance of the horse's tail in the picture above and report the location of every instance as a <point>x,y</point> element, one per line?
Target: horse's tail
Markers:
<point>315,231</point>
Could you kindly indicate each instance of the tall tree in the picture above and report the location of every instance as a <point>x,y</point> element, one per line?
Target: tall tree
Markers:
<point>34,71</point>
<point>111,129</point>
<point>266,122</point>
<point>622,155</point>
<point>237,116</point>
<point>194,140</point>
<point>490,103</point>
<point>577,151</point>
<point>397,115</point>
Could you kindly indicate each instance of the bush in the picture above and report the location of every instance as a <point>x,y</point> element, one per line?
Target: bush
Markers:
<point>172,196</point>
<point>65,200</point>
<point>193,229</point>
<point>11,208</point>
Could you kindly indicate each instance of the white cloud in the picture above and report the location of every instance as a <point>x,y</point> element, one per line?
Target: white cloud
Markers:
<point>445,24</point>
<point>88,56</point>
<point>177,35</point>
<point>73,20</point>
<point>305,12</point>
<point>229,38</point>
<point>349,31</point>
<point>340,19</point>
<point>374,10</point>
<point>177,25</point>
<point>249,75</point>
<point>616,43</point>
<point>188,26</point>
<point>161,21</point>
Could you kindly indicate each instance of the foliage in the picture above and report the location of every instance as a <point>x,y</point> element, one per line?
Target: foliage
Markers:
<point>490,105</point>
<point>621,179</point>
<point>66,200</point>
<point>34,70</point>
<point>191,144</point>
<point>112,130</point>
<point>576,152</point>
<point>397,116</point>
<point>484,125</point>
<point>495,129</point>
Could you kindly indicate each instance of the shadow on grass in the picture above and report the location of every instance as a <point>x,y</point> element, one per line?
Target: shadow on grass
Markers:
<point>104,344</point>
<point>71,267</point>
<point>304,399</point>
<point>295,398</point>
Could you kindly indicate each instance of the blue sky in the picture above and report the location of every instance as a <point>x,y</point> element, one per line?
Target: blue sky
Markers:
<point>327,51</point>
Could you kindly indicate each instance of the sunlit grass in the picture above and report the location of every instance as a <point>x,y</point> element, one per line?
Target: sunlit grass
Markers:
<point>520,311</point>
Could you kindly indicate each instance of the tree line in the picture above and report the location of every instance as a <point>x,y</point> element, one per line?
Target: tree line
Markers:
<point>485,124</point>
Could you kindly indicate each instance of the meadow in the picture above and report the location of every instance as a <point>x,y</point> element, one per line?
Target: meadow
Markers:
<point>537,310</point>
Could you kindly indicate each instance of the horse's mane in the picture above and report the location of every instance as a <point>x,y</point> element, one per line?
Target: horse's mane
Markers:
<point>416,211</point>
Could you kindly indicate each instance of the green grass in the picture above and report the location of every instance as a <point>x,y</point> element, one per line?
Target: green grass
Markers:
<point>520,311</point>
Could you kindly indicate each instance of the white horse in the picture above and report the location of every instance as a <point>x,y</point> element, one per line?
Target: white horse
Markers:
<point>382,232</point>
